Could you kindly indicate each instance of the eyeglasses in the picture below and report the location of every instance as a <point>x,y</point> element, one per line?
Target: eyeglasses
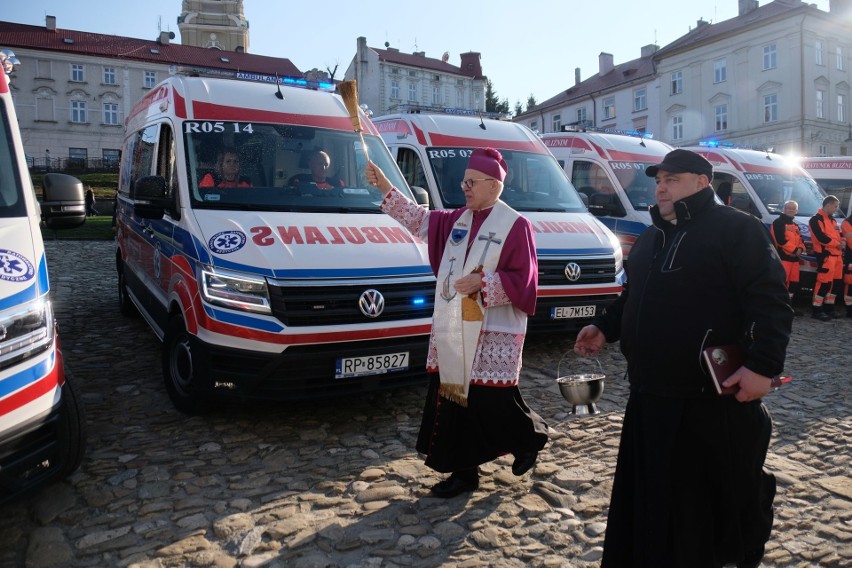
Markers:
<point>468,183</point>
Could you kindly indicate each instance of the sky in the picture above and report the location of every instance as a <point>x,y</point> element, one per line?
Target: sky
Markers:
<point>527,47</point>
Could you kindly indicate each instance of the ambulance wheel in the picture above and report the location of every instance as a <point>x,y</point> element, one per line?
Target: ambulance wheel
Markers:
<point>125,304</point>
<point>184,370</point>
<point>72,430</point>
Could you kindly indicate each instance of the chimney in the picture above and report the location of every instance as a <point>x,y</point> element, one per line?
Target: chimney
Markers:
<point>50,23</point>
<point>576,75</point>
<point>605,64</point>
<point>649,50</point>
<point>701,23</point>
<point>419,53</point>
<point>165,37</point>
<point>470,64</point>
<point>747,6</point>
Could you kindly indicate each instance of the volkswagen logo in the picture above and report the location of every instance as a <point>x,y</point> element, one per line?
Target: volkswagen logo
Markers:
<point>572,271</point>
<point>372,303</point>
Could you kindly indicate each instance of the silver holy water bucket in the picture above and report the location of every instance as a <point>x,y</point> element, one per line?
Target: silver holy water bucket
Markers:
<point>582,386</point>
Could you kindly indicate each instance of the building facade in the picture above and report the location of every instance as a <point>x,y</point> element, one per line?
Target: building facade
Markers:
<point>391,81</point>
<point>775,76</point>
<point>215,24</point>
<point>74,89</point>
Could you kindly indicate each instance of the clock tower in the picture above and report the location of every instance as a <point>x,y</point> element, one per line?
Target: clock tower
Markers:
<point>216,24</point>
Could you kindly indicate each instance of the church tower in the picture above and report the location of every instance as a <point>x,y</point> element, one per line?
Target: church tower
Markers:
<point>217,24</point>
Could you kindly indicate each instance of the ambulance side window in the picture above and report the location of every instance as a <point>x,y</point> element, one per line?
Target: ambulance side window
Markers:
<point>412,167</point>
<point>140,155</point>
<point>167,165</point>
<point>739,198</point>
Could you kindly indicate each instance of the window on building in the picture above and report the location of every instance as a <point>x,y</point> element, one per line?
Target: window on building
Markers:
<point>720,71</point>
<point>77,72</point>
<point>77,157</point>
<point>110,113</point>
<point>820,104</point>
<point>839,58</point>
<point>394,70</point>
<point>609,108</point>
<point>459,98</point>
<point>721,113</point>
<point>412,91</point>
<point>640,99</point>
<point>677,127</point>
<point>770,108</point>
<point>44,107</point>
<point>818,47</point>
<point>394,89</point>
<point>677,83</point>
<point>769,57</point>
<point>581,116</point>
<point>110,157</point>
<point>109,76</point>
<point>150,79</point>
<point>78,111</point>
<point>412,73</point>
<point>436,95</point>
<point>841,108</point>
<point>534,125</point>
<point>556,123</point>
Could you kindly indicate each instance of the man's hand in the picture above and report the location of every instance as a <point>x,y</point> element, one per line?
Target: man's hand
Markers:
<point>469,284</point>
<point>589,341</point>
<point>752,385</point>
<point>376,177</point>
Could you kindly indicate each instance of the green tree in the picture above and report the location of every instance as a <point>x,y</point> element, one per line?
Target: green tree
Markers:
<point>531,102</point>
<point>519,108</point>
<point>492,102</point>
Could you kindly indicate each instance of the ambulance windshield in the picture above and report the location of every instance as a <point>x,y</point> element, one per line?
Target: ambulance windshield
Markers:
<point>774,189</point>
<point>535,182</point>
<point>274,167</point>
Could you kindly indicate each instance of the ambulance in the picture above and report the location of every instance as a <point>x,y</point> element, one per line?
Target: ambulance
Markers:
<point>276,286</point>
<point>758,182</point>
<point>834,176</point>
<point>580,267</point>
<point>42,428</point>
<point>608,169</point>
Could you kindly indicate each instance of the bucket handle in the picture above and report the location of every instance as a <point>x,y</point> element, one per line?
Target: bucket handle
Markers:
<point>571,351</point>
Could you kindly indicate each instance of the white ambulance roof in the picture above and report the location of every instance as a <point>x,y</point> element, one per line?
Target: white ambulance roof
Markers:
<point>747,160</point>
<point>612,147</point>
<point>459,131</point>
<point>203,98</point>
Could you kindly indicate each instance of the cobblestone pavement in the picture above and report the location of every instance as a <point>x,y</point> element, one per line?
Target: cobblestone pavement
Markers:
<point>338,483</point>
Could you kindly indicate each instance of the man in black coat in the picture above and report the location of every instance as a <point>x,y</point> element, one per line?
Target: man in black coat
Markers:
<point>689,487</point>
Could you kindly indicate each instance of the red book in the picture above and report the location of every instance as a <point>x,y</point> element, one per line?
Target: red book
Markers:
<point>721,362</point>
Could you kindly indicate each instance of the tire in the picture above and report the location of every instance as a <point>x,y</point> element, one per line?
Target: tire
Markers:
<point>125,304</point>
<point>71,430</point>
<point>184,370</point>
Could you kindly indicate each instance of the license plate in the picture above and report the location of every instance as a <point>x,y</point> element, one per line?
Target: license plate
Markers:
<point>371,365</point>
<point>566,312</point>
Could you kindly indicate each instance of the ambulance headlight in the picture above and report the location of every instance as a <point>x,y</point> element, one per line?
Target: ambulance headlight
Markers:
<point>25,330</point>
<point>234,290</point>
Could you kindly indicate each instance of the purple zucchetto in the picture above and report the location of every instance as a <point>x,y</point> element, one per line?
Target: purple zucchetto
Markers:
<point>489,162</point>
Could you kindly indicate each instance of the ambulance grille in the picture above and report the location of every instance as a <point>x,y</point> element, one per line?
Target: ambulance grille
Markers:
<point>593,270</point>
<point>298,304</point>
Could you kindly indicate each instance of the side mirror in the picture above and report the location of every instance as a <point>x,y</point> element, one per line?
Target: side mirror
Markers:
<point>150,199</point>
<point>63,205</point>
<point>421,196</point>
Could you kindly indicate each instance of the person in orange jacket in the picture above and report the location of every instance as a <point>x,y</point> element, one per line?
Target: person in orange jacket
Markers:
<point>788,241</point>
<point>825,238</point>
<point>846,235</point>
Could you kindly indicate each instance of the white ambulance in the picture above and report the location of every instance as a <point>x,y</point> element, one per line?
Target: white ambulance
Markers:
<point>834,176</point>
<point>579,260</point>
<point>42,429</point>
<point>273,284</point>
<point>608,169</point>
<point>759,182</point>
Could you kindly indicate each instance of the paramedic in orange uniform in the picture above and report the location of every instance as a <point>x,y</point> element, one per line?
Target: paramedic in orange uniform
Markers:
<point>788,240</point>
<point>846,235</point>
<point>227,172</point>
<point>825,238</point>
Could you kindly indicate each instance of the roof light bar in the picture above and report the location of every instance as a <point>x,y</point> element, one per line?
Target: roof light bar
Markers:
<point>252,77</point>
